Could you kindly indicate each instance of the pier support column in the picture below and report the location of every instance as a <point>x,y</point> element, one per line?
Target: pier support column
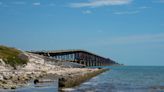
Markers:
<point>81,62</point>
<point>87,64</point>
<point>96,63</point>
<point>93,63</point>
<point>90,63</point>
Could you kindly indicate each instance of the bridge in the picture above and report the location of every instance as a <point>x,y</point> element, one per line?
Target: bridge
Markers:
<point>78,56</point>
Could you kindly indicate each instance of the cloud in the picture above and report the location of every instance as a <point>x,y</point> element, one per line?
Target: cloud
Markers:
<point>99,3</point>
<point>36,3</point>
<point>126,12</point>
<point>87,12</point>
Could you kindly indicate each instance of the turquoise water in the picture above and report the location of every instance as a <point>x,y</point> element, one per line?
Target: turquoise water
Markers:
<point>126,79</point>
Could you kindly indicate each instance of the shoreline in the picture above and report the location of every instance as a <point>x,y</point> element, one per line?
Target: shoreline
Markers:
<point>19,78</point>
<point>72,81</point>
<point>39,67</point>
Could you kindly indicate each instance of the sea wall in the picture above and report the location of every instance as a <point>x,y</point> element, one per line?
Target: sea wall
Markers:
<point>71,81</point>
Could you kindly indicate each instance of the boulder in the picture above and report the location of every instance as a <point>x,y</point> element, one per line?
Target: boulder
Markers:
<point>23,56</point>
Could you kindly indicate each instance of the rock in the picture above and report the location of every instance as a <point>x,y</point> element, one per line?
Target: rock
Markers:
<point>61,82</point>
<point>23,56</point>
<point>22,78</point>
<point>4,82</point>
<point>99,68</point>
<point>1,78</point>
<point>14,78</point>
<point>2,62</point>
<point>6,77</point>
<point>13,87</point>
<point>9,86</point>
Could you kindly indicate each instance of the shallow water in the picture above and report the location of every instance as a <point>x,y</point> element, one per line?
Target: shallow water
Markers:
<point>126,79</point>
<point>41,87</point>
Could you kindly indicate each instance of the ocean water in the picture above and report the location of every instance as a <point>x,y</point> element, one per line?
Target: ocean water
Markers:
<point>125,79</point>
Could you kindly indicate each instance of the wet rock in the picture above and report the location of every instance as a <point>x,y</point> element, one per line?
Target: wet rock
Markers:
<point>62,82</point>
<point>36,81</point>
<point>13,87</point>
<point>99,68</point>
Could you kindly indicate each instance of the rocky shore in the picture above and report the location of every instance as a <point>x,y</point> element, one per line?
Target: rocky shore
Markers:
<point>37,67</point>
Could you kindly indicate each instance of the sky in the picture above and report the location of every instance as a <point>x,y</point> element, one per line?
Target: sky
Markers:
<point>130,32</point>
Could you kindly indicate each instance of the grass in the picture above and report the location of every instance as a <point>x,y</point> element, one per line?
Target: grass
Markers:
<point>77,80</point>
<point>11,56</point>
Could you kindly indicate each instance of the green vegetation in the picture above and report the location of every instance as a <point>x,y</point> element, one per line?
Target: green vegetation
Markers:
<point>11,56</point>
<point>77,80</point>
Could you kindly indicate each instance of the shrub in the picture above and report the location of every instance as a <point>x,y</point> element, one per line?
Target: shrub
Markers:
<point>11,56</point>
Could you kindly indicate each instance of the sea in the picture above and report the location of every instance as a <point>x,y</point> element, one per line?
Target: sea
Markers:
<point>117,79</point>
<point>126,79</point>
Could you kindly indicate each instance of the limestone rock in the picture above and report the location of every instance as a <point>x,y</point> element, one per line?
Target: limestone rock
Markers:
<point>2,62</point>
<point>1,78</point>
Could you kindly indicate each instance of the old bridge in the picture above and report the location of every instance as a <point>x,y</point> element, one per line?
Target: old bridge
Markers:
<point>79,56</point>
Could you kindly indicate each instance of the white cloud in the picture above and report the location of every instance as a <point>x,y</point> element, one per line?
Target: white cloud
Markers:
<point>87,12</point>
<point>37,3</point>
<point>99,3</point>
<point>126,12</point>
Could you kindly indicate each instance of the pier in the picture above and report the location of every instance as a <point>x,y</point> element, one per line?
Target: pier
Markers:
<point>78,56</point>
